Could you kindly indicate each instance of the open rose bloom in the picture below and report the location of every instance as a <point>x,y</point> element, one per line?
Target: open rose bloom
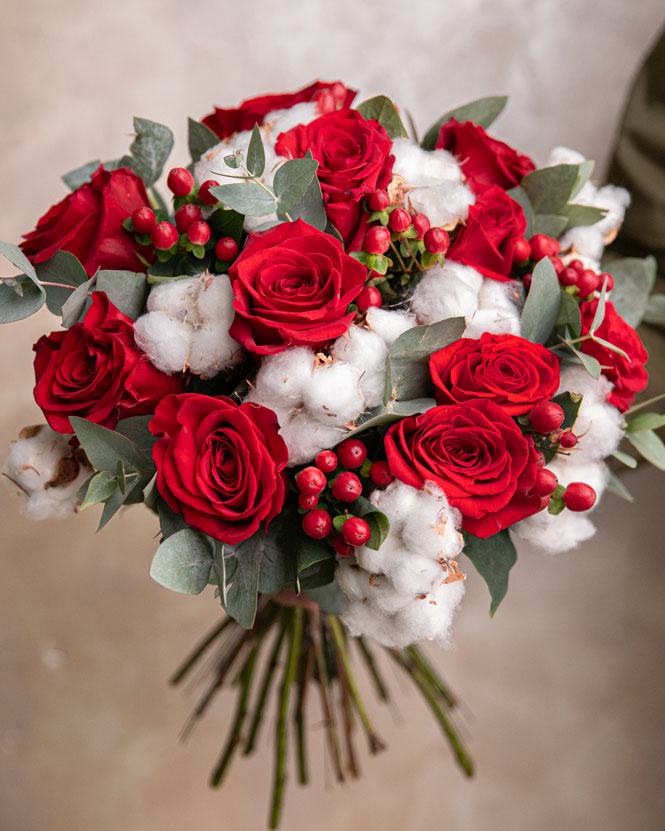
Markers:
<point>344,370</point>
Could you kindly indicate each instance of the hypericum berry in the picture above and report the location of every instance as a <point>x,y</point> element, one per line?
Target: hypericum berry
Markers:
<point>143,220</point>
<point>226,249</point>
<point>180,181</point>
<point>540,458</point>
<point>368,297</point>
<point>578,496</point>
<point>351,453</point>
<point>436,241</point>
<point>606,279</point>
<point>326,461</point>
<point>347,487</point>
<point>546,417</point>
<point>568,276</point>
<point>380,474</point>
<point>311,480</point>
<point>422,225</point>
<point>343,548</point>
<point>185,215</point>
<point>399,220</point>
<point>527,281</point>
<point>559,267</point>
<point>545,484</point>
<point>587,282</point>
<point>317,524</point>
<point>543,246</point>
<point>578,265</point>
<point>567,439</point>
<point>377,240</point>
<point>204,192</point>
<point>308,501</point>
<point>356,531</point>
<point>378,201</point>
<point>164,236</point>
<point>521,250</point>
<point>198,233</point>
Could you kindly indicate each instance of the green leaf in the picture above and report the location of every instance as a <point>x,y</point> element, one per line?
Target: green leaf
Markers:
<point>384,111</point>
<point>169,522</point>
<point>569,315</point>
<point>570,403</point>
<point>17,258</point>
<point>256,155</point>
<point>248,198</point>
<point>645,421</point>
<point>612,347</point>
<point>617,487</point>
<point>149,150</point>
<point>338,521</point>
<point>550,188</point>
<point>225,223</point>
<point>64,268</point>
<point>133,494</point>
<point>20,297</point>
<point>579,215</point>
<point>278,567</point>
<point>311,552</point>
<point>541,309</point>
<point>104,447</point>
<point>99,488</point>
<point>127,290</point>
<point>407,364</point>
<point>330,598</point>
<point>394,411</point>
<point>379,526</point>
<point>551,224</point>
<point>492,558</point>
<point>522,198</point>
<point>482,112</point>
<point>319,574</point>
<point>135,428</point>
<point>75,178</point>
<point>585,170</point>
<point>649,445</point>
<point>588,362</point>
<point>292,180</point>
<point>241,596</point>
<point>654,313</point>
<point>599,316</point>
<point>199,138</point>
<point>182,562</point>
<point>625,459</point>
<point>630,295</point>
<point>75,306</point>
<point>311,208</point>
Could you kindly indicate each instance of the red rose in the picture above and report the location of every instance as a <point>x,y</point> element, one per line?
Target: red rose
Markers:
<point>328,97</point>
<point>510,371</point>
<point>484,160</point>
<point>627,374</point>
<point>292,286</point>
<point>354,160</point>
<point>476,454</point>
<point>94,370</point>
<point>88,224</point>
<point>485,242</point>
<point>220,465</point>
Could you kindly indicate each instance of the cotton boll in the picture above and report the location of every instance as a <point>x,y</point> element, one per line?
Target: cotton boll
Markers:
<point>362,619</point>
<point>575,378</point>
<point>285,375</point>
<point>587,241</point>
<point>333,396</point>
<point>214,300</point>
<point>279,121</point>
<point>283,410</point>
<point>367,352</point>
<point>415,575</point>
<point>506,296</point>
<point>423,168</point>
<point>450,291</point>
<point>166,341</point>
<point>212,350</point>
<point>444,205</point>
<point>431,526</point>
<point>598,429</point>
<point>615,201</point>
<point>568,469</point>
<point>431,617</point>
<point>389,324</point>
<point>396,501</point>
<point>564,155</point>
<point>353,581</point>
<point>305,437</point>
<point>555,534</point>
<point>386,558</point>
<point>176,298</point>
<point>495,321</point>
<point>384,597</point>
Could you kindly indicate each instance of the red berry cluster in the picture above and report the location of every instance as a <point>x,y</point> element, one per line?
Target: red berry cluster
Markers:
<point>324,481</point>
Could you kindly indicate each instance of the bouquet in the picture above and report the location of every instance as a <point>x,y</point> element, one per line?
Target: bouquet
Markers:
<point>344,368</point>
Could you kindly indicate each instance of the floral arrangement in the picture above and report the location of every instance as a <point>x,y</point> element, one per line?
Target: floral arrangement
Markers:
<point>343,368</point>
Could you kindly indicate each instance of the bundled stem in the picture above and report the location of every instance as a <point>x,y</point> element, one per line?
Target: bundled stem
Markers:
<point>265,689</point>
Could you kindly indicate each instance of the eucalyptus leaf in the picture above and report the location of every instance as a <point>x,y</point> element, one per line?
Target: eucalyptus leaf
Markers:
<point>617,487</point>
<point>248,198</point>
<point>104,447</point>
<point>654,313</point>
<point>395,410</point>
<point>292,180</point>
<point>199,138</point>
<point>522,198</point>
<point>581,215</point>
<point>552,225</point>
<point>330,598</point>
<point>127,290</point>
<point>550,188</point>
<point>241,595</point>
<point>649,445</point>
<point>17,258</point>
<point>182,562</point>
<point>543,301</point>
<point>133,493</point>
<point>612,348</point>
<point>136,429</point>
<point>569,315</point>
<point>585,170</point>
<point>100,487</point>
<point>632,280</point>
<point>599,315</point>
<point>149,150</point>
<point>256,155</point>
<point>482,112</point>
<point>63,268</point>
<point>645,421</point>
<point>384,111</point>
<point>75,306</point>
<point>75,178</point>
<point>311,208</point>
<point>20,297</point>
<point>492,558</point>
<point>625,459</point>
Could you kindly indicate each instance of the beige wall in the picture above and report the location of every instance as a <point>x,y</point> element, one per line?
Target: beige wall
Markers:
<point>562,690</point>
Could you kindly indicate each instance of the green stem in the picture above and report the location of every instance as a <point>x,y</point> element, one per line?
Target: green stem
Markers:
<point>432,676</point>
<point>347,716</point>
<point>375,743</point>
<point>380,684</point>
<point>299,716</point>
<point>296,630</point>
<point>399,258</point>
<point>646,403</point>
<point>265,689</point>
<point>570,342</point>
<point>246,675</point>
<point>199,650</point>
<point>429,695</point>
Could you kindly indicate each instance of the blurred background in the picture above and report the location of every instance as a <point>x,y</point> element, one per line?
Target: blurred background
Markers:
<point>562,692</point>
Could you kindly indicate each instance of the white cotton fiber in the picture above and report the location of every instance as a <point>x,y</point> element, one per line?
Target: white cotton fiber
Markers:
<point>284,410</point>
<point>285,375</point>
<point>444,205</point>
<point>615,201</point>
<point>555,534</point>
<point>305,437</point>
<point>569,469</point>
<point>564,155</point>
<point>214,300</point>
<point>495,321</point>
<point>416,575</point>
<point>176,298</point>
<point>34,464</point>
<point>431,526</point>
<point>366,351</point>
<point>448,291</point>
<point>587,241</point>
<point>279,121</point>
<point>165,340</point>
<point>333,395</point>
<point>212,350</point>
<point>396,501</point>
<point>389,324</point>
<point>353,581</point>
<point>423,168</point>
<point>431,617</point>
<point>362,618</point>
